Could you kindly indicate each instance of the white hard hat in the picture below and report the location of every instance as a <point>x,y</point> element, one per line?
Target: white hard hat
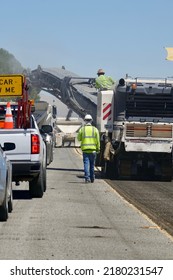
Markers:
<point>88,118</point>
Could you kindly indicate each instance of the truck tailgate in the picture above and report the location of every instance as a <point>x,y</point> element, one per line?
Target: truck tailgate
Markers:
<point>22,140</point>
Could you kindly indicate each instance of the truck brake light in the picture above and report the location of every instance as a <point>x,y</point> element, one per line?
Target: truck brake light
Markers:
<point>35,144</point>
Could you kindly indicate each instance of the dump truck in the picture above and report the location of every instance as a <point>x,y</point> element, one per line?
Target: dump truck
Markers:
<point>66,132</point>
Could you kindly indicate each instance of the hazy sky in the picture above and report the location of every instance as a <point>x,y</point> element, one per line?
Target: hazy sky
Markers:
<point>121,36</point>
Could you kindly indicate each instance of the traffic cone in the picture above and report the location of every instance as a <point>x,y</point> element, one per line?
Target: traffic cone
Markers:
<point>8,124</point>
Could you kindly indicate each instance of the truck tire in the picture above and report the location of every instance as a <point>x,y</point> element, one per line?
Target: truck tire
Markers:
<point>10,201</point>
<point>44,178</point>
<point>108,170</point>
<point>104,170</point>
<point>36,186</point>
<point>166,171</point>
<point>117,169</point>
<point>4,209</point>
<point>52,154</point>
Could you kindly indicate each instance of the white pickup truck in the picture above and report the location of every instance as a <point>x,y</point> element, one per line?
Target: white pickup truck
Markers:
<point>29,156</point>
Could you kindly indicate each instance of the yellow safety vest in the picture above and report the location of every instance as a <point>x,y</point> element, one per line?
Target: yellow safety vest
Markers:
<point>104,82</point>
<point>90,138</point>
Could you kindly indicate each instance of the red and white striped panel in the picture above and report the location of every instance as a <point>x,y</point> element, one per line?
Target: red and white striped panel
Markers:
<point>107,111</point>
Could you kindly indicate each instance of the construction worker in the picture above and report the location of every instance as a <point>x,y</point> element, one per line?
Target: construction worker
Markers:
<point>103,82</point>
<point>90,146</point>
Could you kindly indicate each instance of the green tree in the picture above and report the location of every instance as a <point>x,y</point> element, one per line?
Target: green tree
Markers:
<point>10,65</point>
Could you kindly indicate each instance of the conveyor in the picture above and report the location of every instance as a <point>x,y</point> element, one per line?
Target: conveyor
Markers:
<point>78,93</point>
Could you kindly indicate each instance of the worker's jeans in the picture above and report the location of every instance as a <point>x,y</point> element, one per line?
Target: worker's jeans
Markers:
<point>89,163</point>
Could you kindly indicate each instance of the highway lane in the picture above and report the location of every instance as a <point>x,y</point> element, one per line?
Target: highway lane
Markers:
<point>75,220</point>
<point>153,198</point>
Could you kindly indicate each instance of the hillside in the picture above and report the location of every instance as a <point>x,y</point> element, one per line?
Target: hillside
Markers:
<point>10,65</point>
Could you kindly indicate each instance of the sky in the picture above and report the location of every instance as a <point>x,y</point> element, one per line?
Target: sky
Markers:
<point>122,37</point>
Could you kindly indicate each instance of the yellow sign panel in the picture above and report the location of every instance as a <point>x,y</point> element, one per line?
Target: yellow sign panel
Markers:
<point>169,53</point>
<point>11,85</point>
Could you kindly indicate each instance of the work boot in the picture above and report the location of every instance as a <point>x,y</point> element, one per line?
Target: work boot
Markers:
<point>87,181</point>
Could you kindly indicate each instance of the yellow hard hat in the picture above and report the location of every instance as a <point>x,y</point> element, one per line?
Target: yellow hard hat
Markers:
<point>100,71</point>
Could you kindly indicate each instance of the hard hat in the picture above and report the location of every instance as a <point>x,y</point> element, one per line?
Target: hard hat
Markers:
<point>100,71</point>
<point>88,118</point>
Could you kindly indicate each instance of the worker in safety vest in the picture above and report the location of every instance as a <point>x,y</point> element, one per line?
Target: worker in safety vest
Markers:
<point>90,146</point>
<point>103,82</point>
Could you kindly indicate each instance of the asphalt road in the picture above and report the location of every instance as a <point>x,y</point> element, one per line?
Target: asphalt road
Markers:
<point>153,198</point>
<point>82,221</point>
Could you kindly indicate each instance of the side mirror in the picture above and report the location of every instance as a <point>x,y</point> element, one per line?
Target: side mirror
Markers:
<point>46,129</point>
<point>121,82</point>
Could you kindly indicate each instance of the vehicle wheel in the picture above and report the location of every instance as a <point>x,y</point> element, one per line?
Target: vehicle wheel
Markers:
<point>117,164</point>
<point>10,200</point>
<point>47,159</point>
<point>52,154</point>
<point>166,171</point>
<point>104,169</point>
<point>108,170</point>
<point>36,186</point>
<point>44,178</point>
<point>4,209</point>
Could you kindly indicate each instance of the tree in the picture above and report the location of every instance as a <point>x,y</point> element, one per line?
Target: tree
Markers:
<point>10,65</point>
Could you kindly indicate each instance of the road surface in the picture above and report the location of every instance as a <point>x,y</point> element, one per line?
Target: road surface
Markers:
<point>82,221</point>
